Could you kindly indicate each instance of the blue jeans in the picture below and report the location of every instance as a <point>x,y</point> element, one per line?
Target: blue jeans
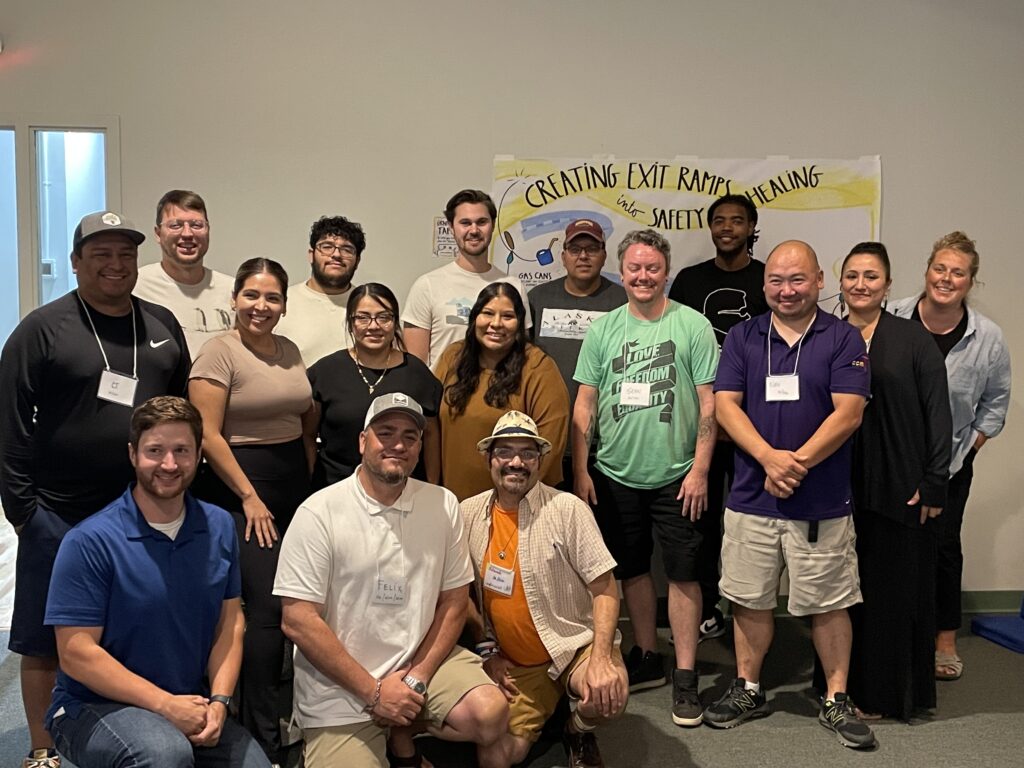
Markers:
<point>112,735</point>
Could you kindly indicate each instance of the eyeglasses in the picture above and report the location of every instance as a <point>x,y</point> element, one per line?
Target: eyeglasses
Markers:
<point>507,453</point>
<point>176,225</point>
<point>329,249</point>
<point>382,319</point>
<point>591,250</point>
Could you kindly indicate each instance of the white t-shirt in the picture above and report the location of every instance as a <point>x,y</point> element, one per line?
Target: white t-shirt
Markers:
<point>203,310</point>
<point>347,552</point>
<point>440,300</point>
<point>315,322</point>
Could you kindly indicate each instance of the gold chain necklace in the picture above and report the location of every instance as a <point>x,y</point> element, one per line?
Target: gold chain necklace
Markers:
<point>359,368</point>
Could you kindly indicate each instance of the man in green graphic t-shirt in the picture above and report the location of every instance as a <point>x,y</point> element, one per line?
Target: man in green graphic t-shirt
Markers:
<point>645,373</point>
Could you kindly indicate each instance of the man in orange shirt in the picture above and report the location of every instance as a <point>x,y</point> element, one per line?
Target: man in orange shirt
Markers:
<point>545,622</point>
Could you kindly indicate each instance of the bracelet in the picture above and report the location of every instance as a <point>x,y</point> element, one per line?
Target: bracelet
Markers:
<point>487,648</point>
<point>376,697</point>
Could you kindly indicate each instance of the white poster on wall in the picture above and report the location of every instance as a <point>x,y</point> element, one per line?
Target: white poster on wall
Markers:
<point>831,204</point>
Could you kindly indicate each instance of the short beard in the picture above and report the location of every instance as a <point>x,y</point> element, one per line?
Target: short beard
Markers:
<point>393,477</point>
<point>340,282</point>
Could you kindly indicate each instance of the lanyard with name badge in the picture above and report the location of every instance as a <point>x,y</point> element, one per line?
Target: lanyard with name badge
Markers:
<point>636,392</point>
<point>785,387</point>
<point>116,387</point>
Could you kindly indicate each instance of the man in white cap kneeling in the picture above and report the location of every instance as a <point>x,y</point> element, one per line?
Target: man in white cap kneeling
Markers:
<point>374,578</point>
<point>546,604</point>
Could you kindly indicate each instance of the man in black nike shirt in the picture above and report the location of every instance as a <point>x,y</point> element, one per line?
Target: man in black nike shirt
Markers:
<point>70,375</point>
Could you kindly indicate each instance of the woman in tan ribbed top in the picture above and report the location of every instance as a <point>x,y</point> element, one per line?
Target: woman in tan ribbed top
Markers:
<point>250,386</point>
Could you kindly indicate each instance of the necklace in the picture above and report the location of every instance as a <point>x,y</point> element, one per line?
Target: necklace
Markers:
<point>359,367</point>
<point>502,552</point>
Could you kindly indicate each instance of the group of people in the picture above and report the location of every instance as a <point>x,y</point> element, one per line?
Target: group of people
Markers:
<point>370,484</point>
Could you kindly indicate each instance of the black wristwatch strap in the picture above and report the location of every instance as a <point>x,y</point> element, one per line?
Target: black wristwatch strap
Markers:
<point>225,700</point>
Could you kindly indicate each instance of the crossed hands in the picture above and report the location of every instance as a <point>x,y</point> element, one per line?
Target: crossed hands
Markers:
<point>784,471</point>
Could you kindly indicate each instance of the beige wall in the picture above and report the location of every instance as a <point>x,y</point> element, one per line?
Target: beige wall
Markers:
<point>280,112</point>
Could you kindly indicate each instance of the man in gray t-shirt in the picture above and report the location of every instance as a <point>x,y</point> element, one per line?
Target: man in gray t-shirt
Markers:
<point>564,308</point>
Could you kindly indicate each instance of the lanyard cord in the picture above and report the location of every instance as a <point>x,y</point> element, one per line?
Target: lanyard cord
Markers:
<point>135,339</point>
<point>799,345</point>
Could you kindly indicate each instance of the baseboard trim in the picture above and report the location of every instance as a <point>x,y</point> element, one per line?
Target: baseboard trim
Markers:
<point>1009,601</point>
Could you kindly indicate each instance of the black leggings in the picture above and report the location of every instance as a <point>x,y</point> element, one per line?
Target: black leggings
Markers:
<point>950,564</point>
<point>280,477</point>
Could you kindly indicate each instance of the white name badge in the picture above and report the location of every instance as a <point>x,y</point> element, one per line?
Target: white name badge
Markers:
<point>390,592</point>
<point>635,393</point>
<point>782,388</point>
<point>500,580</point>
<point>117,388</point>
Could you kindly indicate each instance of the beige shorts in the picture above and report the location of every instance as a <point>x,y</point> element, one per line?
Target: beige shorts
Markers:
<point>539,695</point>
<point>822,576</point>
<point>363,744</point>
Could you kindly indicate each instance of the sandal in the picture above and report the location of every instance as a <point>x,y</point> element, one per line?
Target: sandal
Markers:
<point>948,666</point>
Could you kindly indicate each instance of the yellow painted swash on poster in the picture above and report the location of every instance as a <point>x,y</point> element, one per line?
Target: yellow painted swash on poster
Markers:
<point>829,203</point>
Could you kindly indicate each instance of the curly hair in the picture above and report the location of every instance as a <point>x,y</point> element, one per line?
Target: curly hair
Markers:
<point>508,374</point>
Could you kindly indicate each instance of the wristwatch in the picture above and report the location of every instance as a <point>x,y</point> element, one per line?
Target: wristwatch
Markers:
<point>225,700</point>
<point>417,685</point>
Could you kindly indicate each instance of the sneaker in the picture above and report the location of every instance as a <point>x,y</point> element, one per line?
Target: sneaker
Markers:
<point>41,758</point>
<point>646,670</point>
<point>840,717</point>
<point>711,628</point>
<point>581,749</point>
<point>686,708</point>
<point>736,705</point>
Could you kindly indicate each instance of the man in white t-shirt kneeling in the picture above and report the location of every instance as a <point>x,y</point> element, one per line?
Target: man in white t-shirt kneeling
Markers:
<point>374,577</point>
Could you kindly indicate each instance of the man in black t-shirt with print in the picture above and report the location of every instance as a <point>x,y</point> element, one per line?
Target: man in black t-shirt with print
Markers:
<point>727,290</point>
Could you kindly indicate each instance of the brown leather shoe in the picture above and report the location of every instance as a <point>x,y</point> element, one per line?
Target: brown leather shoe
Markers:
<point>581,749</point>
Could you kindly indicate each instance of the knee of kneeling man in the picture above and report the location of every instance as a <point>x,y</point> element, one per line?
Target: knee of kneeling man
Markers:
<point>490,714</point>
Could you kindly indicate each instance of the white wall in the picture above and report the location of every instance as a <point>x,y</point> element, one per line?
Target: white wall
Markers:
<point>280,112</point>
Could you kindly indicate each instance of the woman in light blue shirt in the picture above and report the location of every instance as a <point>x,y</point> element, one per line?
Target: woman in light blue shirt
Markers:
<point>978,369</point>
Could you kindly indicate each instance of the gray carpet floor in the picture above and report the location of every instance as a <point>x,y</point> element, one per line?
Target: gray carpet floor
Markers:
<point>979,720</point>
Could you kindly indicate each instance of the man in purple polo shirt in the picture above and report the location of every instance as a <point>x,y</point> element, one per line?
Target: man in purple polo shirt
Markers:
<point>790,390</point>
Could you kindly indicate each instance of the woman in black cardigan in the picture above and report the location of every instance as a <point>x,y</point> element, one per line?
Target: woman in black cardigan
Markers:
<point>901,457</point>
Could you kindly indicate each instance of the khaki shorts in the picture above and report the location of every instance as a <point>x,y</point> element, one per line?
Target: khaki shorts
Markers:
<point>822,576</point>
<point>363,744</point>
<point>539,695</point>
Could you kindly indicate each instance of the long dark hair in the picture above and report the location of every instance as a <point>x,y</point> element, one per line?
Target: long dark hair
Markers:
<point>383,296</point>
<point>508,374</point>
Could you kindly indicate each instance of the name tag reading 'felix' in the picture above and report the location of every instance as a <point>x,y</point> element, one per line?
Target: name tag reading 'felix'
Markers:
<point>390,592</point>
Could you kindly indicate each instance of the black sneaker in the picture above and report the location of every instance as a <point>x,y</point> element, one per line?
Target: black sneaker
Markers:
<point>736,705</point>
<point>581,749</point>
<point>840,717</point>
<point>713,627</point>
<point>645,670</point>
<point>686,708</point>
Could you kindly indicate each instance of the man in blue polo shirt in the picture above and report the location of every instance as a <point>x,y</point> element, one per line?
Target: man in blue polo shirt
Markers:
<point>790,390</point>
<point>145,604</point>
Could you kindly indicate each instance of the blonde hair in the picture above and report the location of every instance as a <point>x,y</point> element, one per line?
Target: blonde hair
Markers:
<point>960,242</point>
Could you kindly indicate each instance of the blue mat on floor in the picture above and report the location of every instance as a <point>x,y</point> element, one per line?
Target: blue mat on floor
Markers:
<point>1008,631</point>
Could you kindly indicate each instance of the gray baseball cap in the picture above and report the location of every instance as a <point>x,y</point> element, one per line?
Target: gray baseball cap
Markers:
<point>395,401</point>
<point>105,221</point>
